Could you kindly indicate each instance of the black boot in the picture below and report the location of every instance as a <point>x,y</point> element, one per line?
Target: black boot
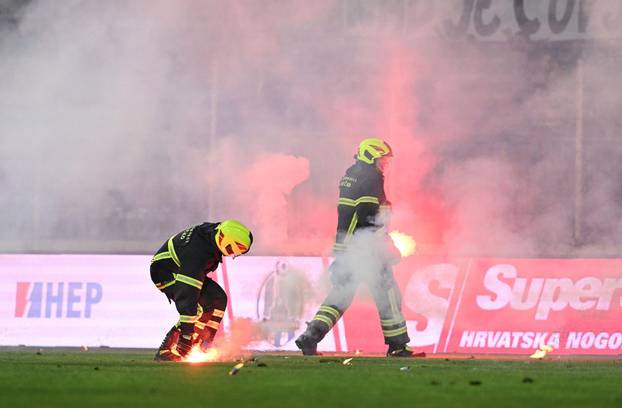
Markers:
<point>307,345</point>
<point>402,350</point>
<point>165,353</point>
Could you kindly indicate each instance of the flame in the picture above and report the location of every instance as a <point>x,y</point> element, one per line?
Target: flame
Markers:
<point>542,351</point>
<point>198,356</point>
<point>403,242</point>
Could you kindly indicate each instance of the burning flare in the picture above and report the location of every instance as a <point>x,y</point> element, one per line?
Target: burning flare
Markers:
<point>403,242</point>
<point>542,351</point>
<point>198,356</point>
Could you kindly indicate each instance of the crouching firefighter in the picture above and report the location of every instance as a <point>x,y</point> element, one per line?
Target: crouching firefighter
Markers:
<point>179,270</point>
<point>361,199</point>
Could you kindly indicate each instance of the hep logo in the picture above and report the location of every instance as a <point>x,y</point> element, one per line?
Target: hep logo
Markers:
<point>56,299</point>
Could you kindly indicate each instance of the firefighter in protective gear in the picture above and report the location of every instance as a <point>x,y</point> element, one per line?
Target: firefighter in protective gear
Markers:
<point>361,199</point>
<point>179,269</point>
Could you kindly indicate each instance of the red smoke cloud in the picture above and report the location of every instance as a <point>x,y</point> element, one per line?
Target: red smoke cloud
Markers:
<point>417,208</point>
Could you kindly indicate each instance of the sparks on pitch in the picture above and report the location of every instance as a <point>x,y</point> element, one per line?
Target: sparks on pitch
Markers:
<point>198,356</point>
<point>403,242</point>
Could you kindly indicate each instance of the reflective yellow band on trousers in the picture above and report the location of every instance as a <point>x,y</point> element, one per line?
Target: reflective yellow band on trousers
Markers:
<point>187,319</point>
<point>164,285</point>
<point>339,247</point>
<point>396,332</point>
<point>388,322</point>
<point>189,281</point>
<point>331,311</point>
<point>213,324</point>
<point>324,319</point>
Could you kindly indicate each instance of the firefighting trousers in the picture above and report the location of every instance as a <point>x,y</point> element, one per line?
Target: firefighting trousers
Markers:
<point>385,292</point>
<point>211,310</point>
<point>211,304</point>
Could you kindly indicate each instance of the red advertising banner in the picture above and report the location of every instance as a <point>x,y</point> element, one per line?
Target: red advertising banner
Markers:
<point>503,306</point>
<point>510,305</point>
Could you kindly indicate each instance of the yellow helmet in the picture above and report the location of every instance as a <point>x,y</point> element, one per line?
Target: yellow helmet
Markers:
<point>233,238</point>
<point>372,149</point>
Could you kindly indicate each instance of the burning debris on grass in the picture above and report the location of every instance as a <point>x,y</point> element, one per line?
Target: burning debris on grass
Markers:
<point>542,352</point>
<point>230,346</point>
<point>236,368</point>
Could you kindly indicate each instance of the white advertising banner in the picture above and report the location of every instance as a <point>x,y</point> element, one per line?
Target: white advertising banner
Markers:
<point>81,300</point>
<point>109,300</point>
<point>279,294</point>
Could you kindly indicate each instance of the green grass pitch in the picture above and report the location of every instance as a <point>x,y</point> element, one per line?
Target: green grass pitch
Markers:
<point>53,378</point>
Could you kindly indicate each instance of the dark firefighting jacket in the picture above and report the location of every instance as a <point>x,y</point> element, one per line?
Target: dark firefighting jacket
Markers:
<point>180,266</point>
<point>361,194</point>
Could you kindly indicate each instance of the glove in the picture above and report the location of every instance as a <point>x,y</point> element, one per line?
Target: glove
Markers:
<point>184,345</point>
